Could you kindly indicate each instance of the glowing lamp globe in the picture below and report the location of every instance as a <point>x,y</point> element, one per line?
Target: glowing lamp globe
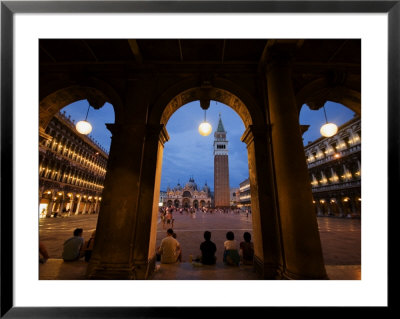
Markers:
<point>328,129</point>
<point>205,128</point>
<point>83,127</point>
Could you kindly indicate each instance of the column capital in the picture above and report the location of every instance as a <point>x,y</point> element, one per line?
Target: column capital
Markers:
<point>158,130</point>
<point>128,129</point>
<point>280,53</point>
<point>148,130</point>
<point>253,132</point>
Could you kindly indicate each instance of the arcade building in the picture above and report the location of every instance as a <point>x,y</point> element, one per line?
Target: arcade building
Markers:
<point>334,166</point>
<point>72,168</point>
<point>244,194</point>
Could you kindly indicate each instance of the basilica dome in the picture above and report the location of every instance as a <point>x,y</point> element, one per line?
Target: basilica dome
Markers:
<point>191,184</point>
<point>206,188</point>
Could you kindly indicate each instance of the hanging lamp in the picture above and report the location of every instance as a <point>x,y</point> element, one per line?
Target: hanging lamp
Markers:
<point>84,127</point>
<point>205,127</point>
<point>328,129</point>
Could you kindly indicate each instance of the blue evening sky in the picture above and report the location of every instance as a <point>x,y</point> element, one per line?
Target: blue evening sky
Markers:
<point>187,153</point>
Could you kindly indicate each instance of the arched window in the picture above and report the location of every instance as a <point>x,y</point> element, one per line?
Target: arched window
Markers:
<point>187,194</point>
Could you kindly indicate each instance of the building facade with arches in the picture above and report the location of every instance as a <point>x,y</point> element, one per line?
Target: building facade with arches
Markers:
<point>72,169</point>
<point>189,196</point>
<point>334,165</point>
<point>266,81</point>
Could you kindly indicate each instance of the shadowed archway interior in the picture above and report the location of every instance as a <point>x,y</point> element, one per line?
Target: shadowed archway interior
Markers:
<point>264,80</point>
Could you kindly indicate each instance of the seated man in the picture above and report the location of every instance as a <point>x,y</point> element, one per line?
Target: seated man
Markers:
<point>208,249</point>
<point>170,249</point>
<point>73,246</point>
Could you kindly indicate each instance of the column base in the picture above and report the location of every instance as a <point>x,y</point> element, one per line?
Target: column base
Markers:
<point>105,271</point>
<point>141,270</point>
<point>267,271</point>
<point>288,275</point>
<point>145,269</point>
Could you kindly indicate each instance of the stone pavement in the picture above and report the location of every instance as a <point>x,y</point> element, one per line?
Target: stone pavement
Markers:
<point>341,244</point>
<point>57,269</point>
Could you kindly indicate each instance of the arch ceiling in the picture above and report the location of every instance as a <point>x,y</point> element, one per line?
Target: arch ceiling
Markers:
<point>335,64</point>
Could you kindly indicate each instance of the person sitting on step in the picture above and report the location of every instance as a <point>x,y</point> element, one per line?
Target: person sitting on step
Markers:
<point>231,253</point>
<point>247,249</point>
<point>208,249</point>
<point>170,249</point>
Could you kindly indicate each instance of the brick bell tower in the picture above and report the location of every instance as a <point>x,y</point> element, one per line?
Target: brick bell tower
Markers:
<point>221,168</point>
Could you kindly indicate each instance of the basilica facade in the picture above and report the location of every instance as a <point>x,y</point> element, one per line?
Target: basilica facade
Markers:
<point>189,196</point>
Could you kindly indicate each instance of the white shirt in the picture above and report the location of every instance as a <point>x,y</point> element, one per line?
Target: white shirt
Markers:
<point>168,250</point>
<point>230,244</point>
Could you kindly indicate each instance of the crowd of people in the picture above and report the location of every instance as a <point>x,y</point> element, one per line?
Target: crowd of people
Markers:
<point>170,250</point>
<point>167,213</point>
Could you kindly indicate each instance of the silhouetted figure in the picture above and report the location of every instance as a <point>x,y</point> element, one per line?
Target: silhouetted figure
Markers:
<point>208,250</point>
<point>247,249</point>
<point>73,247</point>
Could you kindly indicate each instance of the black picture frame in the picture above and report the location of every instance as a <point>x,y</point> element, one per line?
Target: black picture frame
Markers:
<point>9,8</point>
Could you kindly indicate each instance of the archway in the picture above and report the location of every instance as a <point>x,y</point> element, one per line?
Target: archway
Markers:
<point>334,163</point>
<point>58,94</point>
<point>73,166</point>
<point>186,203</point>
<point>260,81</point>
<point>187,194</point>
<point>253,137</point>
<point>270,231</point>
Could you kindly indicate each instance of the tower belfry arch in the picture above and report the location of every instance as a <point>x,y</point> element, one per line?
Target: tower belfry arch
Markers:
<point>263,80</point>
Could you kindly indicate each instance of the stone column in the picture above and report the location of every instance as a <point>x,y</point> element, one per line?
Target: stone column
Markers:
<point>77,206</point>
<point>95,206</point>
<point>300,236</point>
<point>127,222</point>
<point>266,233</point>
<point>50,207</point>
<point>329,208</point>
<point>89,210</point>
<point>340,208</point>
<point>319,209</point>
<point>60,211</point>
<point>144,254</point>
<point>353,205</point>
<point>84,207</point>
<point>71,205</point>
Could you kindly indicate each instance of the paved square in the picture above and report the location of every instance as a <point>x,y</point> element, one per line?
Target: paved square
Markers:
<point>341,238</point>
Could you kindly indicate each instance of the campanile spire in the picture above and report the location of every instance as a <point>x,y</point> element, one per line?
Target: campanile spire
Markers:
<point>221,167</point>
